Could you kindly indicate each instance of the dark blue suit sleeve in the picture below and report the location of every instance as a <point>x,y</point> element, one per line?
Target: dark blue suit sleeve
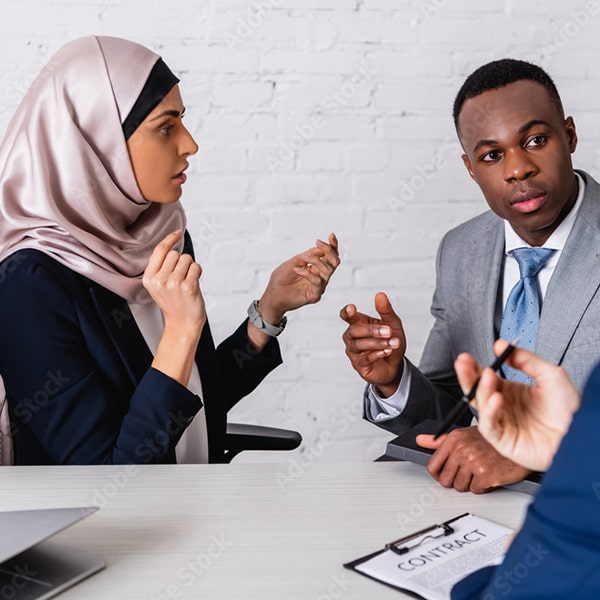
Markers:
<point>557,552</point>
<point>243,365</point>
<point>71,399</point>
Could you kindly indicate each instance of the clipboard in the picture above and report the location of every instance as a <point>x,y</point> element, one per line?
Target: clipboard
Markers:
<point>427,563</point>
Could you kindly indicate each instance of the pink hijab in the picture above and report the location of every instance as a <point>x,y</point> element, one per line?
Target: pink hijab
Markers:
<point>67,187</point>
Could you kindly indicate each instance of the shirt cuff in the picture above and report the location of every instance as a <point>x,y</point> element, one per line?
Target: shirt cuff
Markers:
<point>383,409</point>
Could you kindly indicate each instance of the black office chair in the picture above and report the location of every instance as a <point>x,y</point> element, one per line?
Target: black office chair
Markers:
<point>240,437</point>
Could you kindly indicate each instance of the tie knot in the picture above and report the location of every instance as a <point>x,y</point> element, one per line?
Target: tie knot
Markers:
<point>531,260</point>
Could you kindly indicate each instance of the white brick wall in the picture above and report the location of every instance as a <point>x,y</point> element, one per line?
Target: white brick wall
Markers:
<point>315,116</point>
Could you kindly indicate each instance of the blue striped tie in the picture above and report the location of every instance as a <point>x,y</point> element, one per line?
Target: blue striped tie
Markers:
<point>522,311</point>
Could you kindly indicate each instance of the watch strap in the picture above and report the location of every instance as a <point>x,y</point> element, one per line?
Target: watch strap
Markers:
<point>257,320</point>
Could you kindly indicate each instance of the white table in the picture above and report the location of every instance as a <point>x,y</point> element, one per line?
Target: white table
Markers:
<point>245,531</point>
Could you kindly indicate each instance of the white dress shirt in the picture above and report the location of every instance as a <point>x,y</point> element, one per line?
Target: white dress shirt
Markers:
<point>383,409</point>
<point>192,448</point>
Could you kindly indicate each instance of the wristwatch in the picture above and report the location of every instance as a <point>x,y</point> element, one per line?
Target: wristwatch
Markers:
<point>257,320</point>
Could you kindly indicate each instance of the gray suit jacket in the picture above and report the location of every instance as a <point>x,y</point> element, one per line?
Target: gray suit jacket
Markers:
<point>469,270</point>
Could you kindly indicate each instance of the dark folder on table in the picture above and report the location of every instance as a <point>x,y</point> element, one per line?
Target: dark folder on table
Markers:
<point>404,447</point>
<point>32,568</point>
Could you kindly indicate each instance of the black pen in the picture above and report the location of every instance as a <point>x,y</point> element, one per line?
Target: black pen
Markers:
<point>460,408</point>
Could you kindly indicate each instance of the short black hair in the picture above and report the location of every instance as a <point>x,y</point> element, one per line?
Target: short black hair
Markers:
<point>499,73</point>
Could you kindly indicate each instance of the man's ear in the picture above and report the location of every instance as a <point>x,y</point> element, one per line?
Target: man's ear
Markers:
<point>468,166</point>
<point>571,132</point>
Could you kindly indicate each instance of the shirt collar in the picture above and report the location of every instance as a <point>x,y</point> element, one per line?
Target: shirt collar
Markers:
<point>559,236</point>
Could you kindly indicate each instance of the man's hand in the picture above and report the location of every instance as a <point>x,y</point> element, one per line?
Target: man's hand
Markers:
<point>376,347</point>
<point>465,461</point>
<point>523,422</point>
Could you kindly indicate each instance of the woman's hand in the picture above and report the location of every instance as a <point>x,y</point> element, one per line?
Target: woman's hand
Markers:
<point>525,423</point>
<point>172,279</point>
<point>298,281</point>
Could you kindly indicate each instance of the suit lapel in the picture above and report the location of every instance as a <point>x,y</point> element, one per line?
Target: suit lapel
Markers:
<point>575,280</point>
<point>122,329</point>
<point>212,394</point>
<point>486,254</point>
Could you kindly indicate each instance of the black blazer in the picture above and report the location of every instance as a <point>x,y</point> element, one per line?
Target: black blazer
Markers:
<point>77,373</point>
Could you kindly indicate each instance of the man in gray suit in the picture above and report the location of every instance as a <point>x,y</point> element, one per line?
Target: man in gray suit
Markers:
<point>517,147</point>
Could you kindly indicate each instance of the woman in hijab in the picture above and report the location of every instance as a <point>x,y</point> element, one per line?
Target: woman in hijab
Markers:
<point>106,354</point>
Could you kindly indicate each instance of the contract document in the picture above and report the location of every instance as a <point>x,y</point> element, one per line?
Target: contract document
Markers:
<point>429,562</point>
